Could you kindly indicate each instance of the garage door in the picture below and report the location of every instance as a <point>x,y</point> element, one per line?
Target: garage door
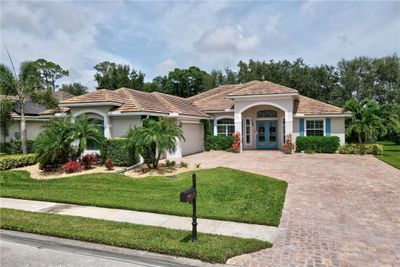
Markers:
<point>194,138</point>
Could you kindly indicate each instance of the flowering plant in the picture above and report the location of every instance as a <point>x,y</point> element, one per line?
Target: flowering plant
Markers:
<point>109,164</point>
<point>236,142</point>
<point>88,160</point>
<point>288,146</point>
<point>72,166</point>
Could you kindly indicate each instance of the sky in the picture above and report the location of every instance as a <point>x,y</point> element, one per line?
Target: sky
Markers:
<point>157,36</point>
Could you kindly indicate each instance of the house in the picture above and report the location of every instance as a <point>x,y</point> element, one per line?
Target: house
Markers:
<point>263,112</point>
<point>35,116</point>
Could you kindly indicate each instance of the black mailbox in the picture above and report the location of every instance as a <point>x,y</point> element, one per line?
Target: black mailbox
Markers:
<point>188,195</point>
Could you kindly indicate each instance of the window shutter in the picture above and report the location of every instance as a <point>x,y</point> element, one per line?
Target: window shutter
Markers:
<point>212,127</point>
<point>328,127</point>
<point>301,127</point>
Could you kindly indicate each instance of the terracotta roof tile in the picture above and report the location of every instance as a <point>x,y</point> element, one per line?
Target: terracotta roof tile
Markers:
<point>262,88</point>
<point>310,106</point>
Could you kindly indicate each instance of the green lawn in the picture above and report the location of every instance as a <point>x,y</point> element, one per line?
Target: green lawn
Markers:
<point>391,153</point>
<point>223,193</point>
<point>211,248</point>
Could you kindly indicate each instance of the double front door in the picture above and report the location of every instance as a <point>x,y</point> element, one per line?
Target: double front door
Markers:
<point>267,134</point>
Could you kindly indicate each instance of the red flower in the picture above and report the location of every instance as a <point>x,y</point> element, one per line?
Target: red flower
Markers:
<point>72,166</point>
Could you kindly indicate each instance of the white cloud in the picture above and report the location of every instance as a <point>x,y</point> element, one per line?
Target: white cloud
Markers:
<point>166,66</point>
<point>226,39</point>
<point>272,23</point>
<point>59,32</point>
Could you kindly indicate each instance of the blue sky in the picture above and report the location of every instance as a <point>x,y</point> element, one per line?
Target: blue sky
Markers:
<point>156,37</point>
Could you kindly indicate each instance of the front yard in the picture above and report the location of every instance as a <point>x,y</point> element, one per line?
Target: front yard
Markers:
<point>223,193</point>
<point>391,153</point>
<point>211,248</point>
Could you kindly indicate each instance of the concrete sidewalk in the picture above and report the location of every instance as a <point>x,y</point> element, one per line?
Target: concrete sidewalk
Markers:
<point>243,230</point>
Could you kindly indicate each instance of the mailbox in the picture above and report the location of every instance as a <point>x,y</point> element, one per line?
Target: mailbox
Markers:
<point>188,195</point>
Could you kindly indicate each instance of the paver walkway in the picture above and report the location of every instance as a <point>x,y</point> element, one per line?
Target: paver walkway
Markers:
<point>261,232</point>
<point>340,210</point>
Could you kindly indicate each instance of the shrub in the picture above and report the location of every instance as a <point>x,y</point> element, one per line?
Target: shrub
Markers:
<point>361,149</point>
<point>109,164</point>
<point>72,166</point>
<point>236,142</point>
<point>184,164</point>
<point>88,160</point>
<point>15,161</point>
<point>169,163</point>
<point>396,138</point>
<point>319,144</point>
<point>116,149</point>
<point>218,142</point>
<point>15,147</point>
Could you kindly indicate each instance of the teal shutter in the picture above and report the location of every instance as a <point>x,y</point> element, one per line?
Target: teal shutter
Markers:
<point>301,127</point>
<point>328,127</point>
<point>212,127</point>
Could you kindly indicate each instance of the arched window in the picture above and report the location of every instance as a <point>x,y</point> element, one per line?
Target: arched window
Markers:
<point>225,127</point>
<point>99,122</point>
<point>267,114</point>
<point>248,130</point>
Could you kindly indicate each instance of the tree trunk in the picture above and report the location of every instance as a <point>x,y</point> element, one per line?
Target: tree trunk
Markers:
<point>23,129</point>
<point>359,138</point>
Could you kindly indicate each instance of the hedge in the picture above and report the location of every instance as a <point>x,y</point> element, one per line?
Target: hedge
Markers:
<point>15,161</point>
<point>15,147</point>
<point>374,149</point>
<point>319,144</point>
<point>116,150</point>
<point>218,142</point>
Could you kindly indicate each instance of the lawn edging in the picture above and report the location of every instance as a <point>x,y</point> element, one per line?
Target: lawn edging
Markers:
<point>209,248</point>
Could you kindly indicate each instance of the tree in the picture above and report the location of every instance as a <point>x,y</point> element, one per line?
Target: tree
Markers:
<point>367,120</point>
<point>74,89</point>
<point>114,76</point>
<point>26,86</point>
<point>49,73</point>
<point>53,144</point>
<point>374,78</point>
<point>83,131</point>
<point>157,136</point>
<point>6,108</point>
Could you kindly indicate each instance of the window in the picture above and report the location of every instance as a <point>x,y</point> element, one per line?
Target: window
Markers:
<point>248,131</point>
<point>267,114</point>
<point>314,127</point>
<point>225,127</point>
<point>91,145</point>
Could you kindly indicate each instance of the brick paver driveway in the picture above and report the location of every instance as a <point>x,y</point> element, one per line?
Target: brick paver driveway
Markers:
<point>340,210</point>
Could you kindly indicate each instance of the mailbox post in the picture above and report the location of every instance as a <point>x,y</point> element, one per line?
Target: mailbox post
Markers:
<point>190,196</point>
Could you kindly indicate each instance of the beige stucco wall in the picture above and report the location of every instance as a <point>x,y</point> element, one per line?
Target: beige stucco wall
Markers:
<point>32,130</point>
<point>121,125</point>
<point>338,129</point>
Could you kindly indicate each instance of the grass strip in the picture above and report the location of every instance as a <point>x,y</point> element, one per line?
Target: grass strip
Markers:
<point>209,248</point>
<point>391,153</point>
<point>223,193</point>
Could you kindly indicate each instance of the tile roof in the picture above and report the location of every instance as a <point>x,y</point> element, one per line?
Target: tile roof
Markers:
<point>310,106</point>
<point>130,100</point>
<point>261,88</point>
<point>220,98</point>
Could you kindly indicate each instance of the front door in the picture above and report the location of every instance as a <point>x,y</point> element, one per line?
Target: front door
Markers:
<point>267,134</point>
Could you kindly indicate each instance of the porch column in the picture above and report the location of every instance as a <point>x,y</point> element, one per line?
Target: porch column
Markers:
<point>238,127</point>
<point>288,123</point>
<point>107,130</point>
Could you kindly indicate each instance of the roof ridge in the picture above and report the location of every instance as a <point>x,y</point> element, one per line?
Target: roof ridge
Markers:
<point>131,97</point>
<point>169,104</point>
<point>321,101</point>
<point>219,93</point>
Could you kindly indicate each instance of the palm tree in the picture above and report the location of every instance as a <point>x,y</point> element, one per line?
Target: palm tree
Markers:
<point>155,138</point>
<point>367,120</point>
<point>53,144</point>
<point>25,87</point>
<point>83,130</point>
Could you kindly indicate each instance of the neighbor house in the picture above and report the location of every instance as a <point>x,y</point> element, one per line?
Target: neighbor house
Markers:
<point>262,112</point>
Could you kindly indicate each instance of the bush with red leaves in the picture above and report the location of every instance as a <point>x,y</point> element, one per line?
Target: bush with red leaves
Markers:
<point>88,160</point>
<point>72,166</point>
